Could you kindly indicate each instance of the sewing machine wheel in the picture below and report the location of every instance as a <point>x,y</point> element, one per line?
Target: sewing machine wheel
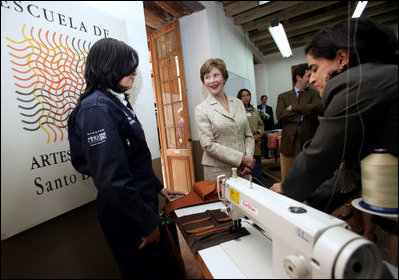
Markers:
<point>343,254</point>
<point>358,260</point>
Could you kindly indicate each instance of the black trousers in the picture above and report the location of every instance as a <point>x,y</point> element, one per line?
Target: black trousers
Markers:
<point>151,262</point>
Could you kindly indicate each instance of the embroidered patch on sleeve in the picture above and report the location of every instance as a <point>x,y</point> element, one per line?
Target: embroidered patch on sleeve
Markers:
<point>96,137</point>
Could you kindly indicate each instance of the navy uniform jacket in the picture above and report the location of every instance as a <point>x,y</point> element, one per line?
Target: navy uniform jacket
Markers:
<point>107,142</point>
<point>370,119</point>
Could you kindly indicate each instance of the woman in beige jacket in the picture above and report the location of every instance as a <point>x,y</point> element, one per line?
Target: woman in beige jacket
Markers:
<point>223,129</point>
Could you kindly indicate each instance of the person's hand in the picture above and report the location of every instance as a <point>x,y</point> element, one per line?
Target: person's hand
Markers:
<point>289,108</point>
<point>152,238</point>
<point>167,193</point>
<point>277,188</point>
<point>257,136</point>
<point>243,170</point>
<point>248,162</point>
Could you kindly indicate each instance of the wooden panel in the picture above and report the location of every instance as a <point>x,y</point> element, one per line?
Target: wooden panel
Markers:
<point>179,169</point>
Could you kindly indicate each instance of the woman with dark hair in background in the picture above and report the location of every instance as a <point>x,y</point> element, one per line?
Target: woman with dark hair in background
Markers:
<point>108,143</point>
<point>354,68</point>
<point>257,128</point>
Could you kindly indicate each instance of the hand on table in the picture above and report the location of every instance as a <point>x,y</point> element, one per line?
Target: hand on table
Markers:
<point>167,193</point>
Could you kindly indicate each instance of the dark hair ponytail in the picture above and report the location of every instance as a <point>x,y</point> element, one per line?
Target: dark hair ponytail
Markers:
<point>108,61</point>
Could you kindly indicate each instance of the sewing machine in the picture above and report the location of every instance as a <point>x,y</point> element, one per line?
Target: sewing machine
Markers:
<point>306,243</point>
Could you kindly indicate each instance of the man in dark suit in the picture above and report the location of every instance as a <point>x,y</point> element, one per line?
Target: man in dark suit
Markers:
<point>297,110</point>
<point>268,122</point>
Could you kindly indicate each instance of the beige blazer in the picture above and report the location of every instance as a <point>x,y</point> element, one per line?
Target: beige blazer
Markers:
<point>257,127</point>
<point>224,136</point>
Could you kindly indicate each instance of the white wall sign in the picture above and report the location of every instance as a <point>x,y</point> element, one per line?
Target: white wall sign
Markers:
<point>43,51</point>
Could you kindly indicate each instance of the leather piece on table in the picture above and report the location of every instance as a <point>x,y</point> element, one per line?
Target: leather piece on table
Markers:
<point>203,192</point>
<point>197,223</point>
<point>206,229</point>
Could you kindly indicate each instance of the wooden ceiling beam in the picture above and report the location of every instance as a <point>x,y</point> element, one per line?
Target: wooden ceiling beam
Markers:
<point>298,32</point>
<point>156,12</point>
<point>179,8</point>
<point>165,5</point>
<point>385,18</point>
<point>260,35</point>
<point>371,11</point>
<point>301,8</point>
<point>235,7</point>
<point>194,6</point>
<point>322,20</point>
<point>276,50</point>
<point>263,10</point>
<point>153,21</point>
<point>303,24</point>
<point>294,41</point>
<point>159,13</point>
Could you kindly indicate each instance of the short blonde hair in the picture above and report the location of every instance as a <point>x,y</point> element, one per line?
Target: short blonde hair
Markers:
<point>214,62</point>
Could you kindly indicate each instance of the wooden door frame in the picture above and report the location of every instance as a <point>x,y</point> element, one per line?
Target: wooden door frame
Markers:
<point>160,114</point>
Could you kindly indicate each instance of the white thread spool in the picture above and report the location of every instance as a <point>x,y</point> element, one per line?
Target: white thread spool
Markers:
<point>380,180</point>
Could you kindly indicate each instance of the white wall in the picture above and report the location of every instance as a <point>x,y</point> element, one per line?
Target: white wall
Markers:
<point>260,80</point>
<point>210,34</point>
<point>230,43</point>
<point>278,73</point>
<point>196,49</point>
<point>142,93</point>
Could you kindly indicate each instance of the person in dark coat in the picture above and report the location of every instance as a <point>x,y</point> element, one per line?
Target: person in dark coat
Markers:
<point>357,77</point>
<point>297,110</point>
<point>268,122</point>
<point>108,143</point>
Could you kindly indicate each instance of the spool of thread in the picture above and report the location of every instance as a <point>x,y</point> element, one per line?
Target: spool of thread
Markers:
<point>380,182</point>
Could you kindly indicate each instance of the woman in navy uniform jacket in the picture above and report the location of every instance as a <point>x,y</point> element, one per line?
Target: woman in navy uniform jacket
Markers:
<point>107,142</point>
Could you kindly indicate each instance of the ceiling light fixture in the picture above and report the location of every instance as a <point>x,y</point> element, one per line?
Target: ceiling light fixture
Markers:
<point>359,9</point>
<point>276,29</point>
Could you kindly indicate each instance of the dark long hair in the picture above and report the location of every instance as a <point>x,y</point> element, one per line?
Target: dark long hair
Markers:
<point>109,60</point>
<point>367,42</point>
<point>239,94</point>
